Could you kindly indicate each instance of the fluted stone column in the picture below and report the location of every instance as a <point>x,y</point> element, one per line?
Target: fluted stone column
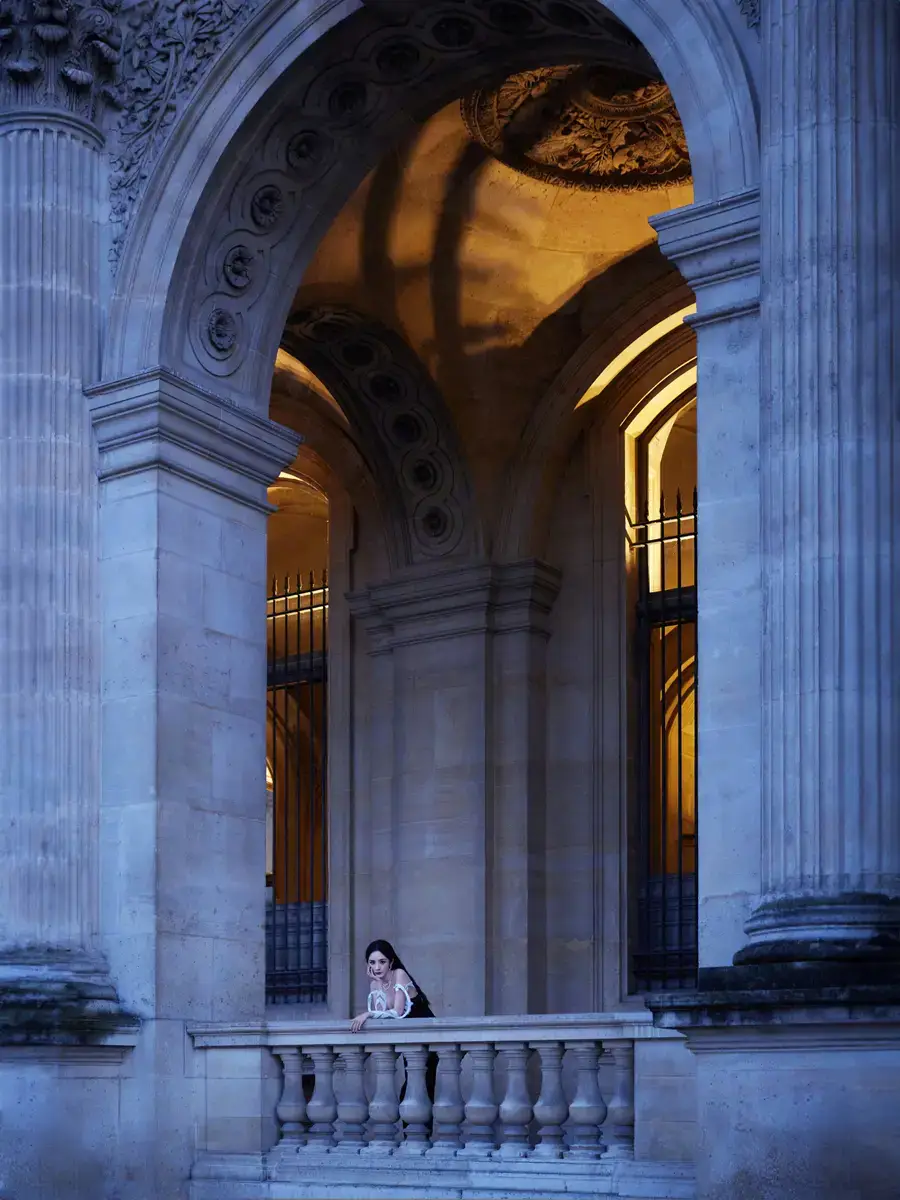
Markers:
<point>53,64</point>
<point>831,468</point>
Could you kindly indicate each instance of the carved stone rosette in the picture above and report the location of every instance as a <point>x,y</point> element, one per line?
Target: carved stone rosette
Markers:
<point>60,55</point>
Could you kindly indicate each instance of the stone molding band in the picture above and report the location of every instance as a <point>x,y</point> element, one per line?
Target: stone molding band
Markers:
<point>490,598</point>
<point>155,421</point>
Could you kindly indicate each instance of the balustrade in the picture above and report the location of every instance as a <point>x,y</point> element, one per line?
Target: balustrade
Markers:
<point>371,1093</point>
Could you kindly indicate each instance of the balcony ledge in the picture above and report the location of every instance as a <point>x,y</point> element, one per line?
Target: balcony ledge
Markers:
<point>606,1027</point>
<point>311,1173</point>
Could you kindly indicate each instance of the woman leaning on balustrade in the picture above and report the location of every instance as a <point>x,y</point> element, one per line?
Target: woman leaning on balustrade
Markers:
<point>394,994</point>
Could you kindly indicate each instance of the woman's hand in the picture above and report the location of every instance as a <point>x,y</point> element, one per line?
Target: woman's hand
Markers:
<point>357,1023</point>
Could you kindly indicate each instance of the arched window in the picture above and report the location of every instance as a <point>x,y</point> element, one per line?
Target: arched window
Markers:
<point>663,553</point>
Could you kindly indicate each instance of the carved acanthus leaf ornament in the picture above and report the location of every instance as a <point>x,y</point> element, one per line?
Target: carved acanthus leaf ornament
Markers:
<point>597,127</point>
<point>169,47</point>
<point>64,54</point>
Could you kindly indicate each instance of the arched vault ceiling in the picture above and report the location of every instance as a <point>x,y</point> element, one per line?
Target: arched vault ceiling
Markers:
<point>492,277</point>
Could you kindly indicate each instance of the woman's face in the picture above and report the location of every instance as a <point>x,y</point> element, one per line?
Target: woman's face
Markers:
<point>378,965</point>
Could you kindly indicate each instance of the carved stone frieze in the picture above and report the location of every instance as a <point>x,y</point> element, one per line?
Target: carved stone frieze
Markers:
<point>62,54</point>
<point>594,127</point>
<point>394,404</point>
<point>169,46</point>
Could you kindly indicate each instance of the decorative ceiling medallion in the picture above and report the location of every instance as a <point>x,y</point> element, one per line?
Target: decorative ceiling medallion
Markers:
<point>591,127</point>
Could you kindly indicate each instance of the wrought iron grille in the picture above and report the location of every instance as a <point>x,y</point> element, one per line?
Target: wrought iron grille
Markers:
<point>665,552</point>
<point>297,774</point>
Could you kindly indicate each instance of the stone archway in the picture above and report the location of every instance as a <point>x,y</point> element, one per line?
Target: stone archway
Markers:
<point>205,285</point>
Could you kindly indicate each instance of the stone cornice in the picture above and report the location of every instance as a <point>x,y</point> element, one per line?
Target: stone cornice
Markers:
<point>60,56</point>
<point>111,1052</point>
<point>716,247</point>
<point>156,421</point>
<point>476,599</point>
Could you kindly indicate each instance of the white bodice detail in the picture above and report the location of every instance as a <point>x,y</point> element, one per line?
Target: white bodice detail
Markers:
<point>378,1004</point>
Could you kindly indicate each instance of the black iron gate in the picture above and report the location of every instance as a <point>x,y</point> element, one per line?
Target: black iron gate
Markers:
<point>665,549</point>
<point>297,775</point>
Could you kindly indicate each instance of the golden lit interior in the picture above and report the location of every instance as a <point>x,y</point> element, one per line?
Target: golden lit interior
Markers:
<point>295,753</point>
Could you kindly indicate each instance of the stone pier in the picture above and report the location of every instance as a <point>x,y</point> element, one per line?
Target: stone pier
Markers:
<point>798,1043</point>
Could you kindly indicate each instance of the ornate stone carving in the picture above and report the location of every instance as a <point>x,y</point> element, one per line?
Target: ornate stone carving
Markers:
<point>591,127</point>
<point>750,9</point>
<point>393,402</point>
<point>62,54</point>
<point>169,46</point>
<point>221,329</point>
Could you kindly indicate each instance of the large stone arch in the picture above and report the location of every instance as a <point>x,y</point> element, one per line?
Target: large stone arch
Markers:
<point>258,168</point>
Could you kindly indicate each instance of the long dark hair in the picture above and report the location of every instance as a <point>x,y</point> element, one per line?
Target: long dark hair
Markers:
<point>395,963</point>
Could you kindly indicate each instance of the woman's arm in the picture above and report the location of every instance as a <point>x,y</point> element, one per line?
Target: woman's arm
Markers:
<point>404,993</point>
<point>359,1021</point>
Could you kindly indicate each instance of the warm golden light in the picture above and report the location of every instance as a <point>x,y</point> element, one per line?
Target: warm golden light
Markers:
<point>649,410</point>
<point>294,367</point>
<point>633,351</point>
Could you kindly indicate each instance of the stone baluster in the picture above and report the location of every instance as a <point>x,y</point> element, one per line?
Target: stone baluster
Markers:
<point>481,1110</point>
<point>448,1103</point>
<point>830,464</point>
<point>353,1108</point>
<point>384,1111</point>
<point>415,1110</point>
<point>619,1127</point>
<point>552,1108</point>
<point>291,1108</point>
<point>516,1109</point>
<point>322,1108</point>
<point>588,1108</point>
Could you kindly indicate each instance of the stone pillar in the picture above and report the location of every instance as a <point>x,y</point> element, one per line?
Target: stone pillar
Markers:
<point>55,70</point>
<point>183,511</point>
<point>518,853</point>
<point>716,248</point>
<point>458,662</point>
<point>830,496</point>
<point>801,1036</point>
<point>429,636</point>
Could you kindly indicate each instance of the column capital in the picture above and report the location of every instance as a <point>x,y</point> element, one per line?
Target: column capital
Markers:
<point>60,57</point>
<point>156,421</point>
<point>716,247</point>
<point>479,598</point>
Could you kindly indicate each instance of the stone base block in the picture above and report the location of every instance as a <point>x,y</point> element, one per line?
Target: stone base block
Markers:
<point>60,1120</point>
<point>314,1174</point>
<point>798,1087</point>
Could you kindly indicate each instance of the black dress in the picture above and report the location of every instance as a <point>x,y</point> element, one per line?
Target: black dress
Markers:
<point>421,1008</point>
